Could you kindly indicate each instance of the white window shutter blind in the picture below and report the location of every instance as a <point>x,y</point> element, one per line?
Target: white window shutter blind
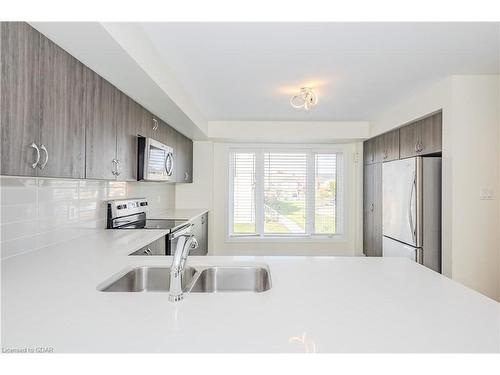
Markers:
<point>243,174</point>
<point>286,192</point>
<point>325,194</point>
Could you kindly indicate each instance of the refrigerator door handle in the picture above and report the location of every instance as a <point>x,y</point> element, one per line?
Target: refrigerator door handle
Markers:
<point>410,211</point>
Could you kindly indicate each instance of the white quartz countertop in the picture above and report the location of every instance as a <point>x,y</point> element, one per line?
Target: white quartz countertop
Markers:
<point>323,304</point>
<point>177,214</point>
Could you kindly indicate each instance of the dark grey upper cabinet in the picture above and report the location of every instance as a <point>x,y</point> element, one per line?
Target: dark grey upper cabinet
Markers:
<point>183,154</point>
<point>61,119</point>
<point>167,135</point>
<point>128,115</point>
<point>126,137</point>
<point>20,98</point>
<point>62,111</point>
<point>145,128</point>
<point>369,151</point>
<point>421,137</point>
<point>387,146</point>
<point>100,145</point>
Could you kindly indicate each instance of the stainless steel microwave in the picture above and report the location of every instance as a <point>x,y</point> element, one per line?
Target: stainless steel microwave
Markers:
<point>155,161</point>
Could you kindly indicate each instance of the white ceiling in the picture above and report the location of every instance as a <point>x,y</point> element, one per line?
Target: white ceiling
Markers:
<point>248,71</point>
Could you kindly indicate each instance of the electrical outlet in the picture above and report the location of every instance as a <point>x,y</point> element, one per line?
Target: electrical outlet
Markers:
<point>485,194</point>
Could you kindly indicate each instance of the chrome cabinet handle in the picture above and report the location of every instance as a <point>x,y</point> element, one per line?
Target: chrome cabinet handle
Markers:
<point>386,155</point>
<point>418,147</point>
<point>114,171</point>
<point>372,207</point>
<point>186,176</point>
<point>118,172</point>
<point>42,147</point>
<point>155,124</point>
<point>37,155</point>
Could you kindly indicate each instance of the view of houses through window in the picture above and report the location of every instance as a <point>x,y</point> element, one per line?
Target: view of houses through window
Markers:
<point>284,192</point>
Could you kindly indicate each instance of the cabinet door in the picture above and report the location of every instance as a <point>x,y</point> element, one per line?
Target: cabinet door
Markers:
<point>168,135</point>
<point>155,129</point>
<point>409,137</point>
<point>100,127</point>
<point>201,234</point>
<point>147,125</point>
<point>421,137</point>
<point>378,148</point>
<point>128,116</point>
<point>377,210</point>
<point>183,159</point>
<point>20,95</point>
<point>368,149</point>
<point>204,226</point>
<point>431,134</point>
<point>389,146</point>
<point>372,210</point>
<point>62,126</point>
<point>368,208</point>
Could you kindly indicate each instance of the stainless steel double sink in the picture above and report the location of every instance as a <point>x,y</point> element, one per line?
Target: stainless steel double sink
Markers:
<point>199,279</point>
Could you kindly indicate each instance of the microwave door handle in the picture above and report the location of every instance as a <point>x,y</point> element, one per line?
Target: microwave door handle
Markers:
<point>169,164</point>
<point>410,211</point>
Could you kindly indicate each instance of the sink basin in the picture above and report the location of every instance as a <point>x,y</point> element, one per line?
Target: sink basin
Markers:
<point>231,279</point>
<point>145,279</point>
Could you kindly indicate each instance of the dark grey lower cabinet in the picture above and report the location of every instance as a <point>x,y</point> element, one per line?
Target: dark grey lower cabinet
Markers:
<point>200,231</point>
<point>372,210</point>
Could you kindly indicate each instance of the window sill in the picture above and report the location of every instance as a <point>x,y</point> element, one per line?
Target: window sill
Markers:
<point>256,238</point>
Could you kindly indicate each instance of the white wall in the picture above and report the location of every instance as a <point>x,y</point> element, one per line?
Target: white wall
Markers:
<point>209,188</point>
<point>475,165</point>
<point>288,131</point>
<point>38,212</point>
<point>471,147</point>
<point>352,210</point>
<point>199,194</point>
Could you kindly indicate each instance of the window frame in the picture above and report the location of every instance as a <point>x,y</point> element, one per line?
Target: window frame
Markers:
<point>309,236</point>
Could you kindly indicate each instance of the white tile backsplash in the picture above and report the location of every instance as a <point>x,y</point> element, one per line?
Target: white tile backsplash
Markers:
<point>37,212</point>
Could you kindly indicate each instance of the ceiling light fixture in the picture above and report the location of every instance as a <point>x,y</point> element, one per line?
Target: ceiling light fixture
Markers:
<point>306,99</point>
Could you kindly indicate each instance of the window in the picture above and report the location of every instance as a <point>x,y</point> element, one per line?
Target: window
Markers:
<point>285,193</point>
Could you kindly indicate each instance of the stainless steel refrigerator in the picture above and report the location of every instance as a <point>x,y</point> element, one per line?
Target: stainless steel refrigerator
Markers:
<point>411,211</point>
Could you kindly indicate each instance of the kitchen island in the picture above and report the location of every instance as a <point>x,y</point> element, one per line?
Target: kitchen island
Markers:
<point>315,304</point>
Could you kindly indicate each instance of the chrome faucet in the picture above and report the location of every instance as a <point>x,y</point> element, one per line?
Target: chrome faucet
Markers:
<point>185,243</point>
